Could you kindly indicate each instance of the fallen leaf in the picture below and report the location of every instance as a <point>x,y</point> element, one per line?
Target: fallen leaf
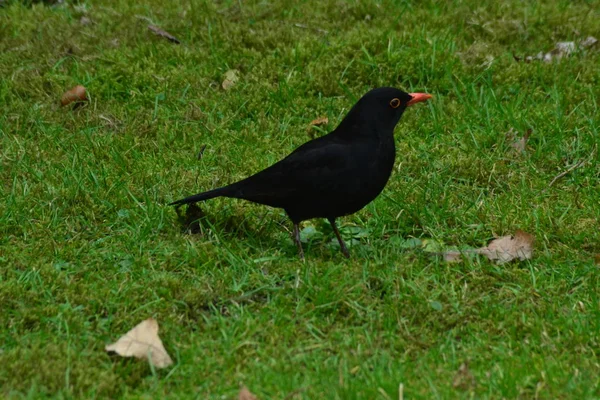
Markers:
<point>85,21</point>
<point>588,42</point>
<point>463,379</point>
<point>432,246</point>
<point>436,305</point>
<point>164,34</point>
<point>318,122</point>
<point>410,243</point>
<point>518,144</point>
<point>310,233</point>
<point>75,94</point>
<point>597,260</point>
<point>502,250</point>
<point>142,342</point>
<point>561,49</point>
<point>194,113</point>
<point>245,394</point>
<point>508,248</point>
<point>230,78</point>
<point>452,256</point>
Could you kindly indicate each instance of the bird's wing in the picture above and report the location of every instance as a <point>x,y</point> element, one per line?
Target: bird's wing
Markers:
<point>318,167</point>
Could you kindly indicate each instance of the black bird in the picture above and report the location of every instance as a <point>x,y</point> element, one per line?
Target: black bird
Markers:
<point>334,175</point>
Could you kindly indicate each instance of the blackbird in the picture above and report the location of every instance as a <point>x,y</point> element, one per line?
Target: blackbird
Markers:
<point>334,175</point>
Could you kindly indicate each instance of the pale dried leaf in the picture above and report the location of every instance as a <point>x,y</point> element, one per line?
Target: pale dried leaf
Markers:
<point>164,34</point>
<point>540,56</point>
<point>452,256</point>
<point>561,49</point>
<point>564,48</point>
<point>463,379</point>
<point>142,342</point>
<point>518,144</point>
<point>230,78</point>
<point>507,248</point>
<point>588,42</point>
<point>245,394</point>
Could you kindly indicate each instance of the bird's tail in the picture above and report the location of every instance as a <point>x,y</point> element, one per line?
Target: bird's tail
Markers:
<point>224,191</point>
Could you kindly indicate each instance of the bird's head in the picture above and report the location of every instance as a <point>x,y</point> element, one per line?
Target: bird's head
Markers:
<point>380,109</point>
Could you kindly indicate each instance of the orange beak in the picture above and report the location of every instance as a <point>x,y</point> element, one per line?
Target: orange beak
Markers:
<point>418,97</point>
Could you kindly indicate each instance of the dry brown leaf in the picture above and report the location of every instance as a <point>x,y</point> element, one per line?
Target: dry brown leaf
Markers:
<point>164,34</point>
<point>230,78</point>
<point>597,260</point>
<point>508,248</point>
<point>463,379</point>
<point>75,94</point>
<point>245,394</point>
<point>316,122</point>
<point>142,342</point>
<point>319,121</point>
<point>502,250</point>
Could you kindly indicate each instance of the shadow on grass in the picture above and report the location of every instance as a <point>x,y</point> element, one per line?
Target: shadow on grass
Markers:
<point>195,221</point>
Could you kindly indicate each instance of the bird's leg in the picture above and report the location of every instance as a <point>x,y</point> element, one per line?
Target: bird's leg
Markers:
<point>345,251</point>
<point>297,240</point>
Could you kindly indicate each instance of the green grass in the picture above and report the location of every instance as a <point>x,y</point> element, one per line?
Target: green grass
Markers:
<point>88,247</point>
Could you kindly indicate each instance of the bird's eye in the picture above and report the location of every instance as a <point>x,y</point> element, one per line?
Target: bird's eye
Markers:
<point>395,103</point>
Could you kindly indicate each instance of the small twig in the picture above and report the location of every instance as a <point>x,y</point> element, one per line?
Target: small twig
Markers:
<point>201,152</point>
<point>143,17</point>
<point>164,34</point>
<point>572,168</point>
<point>108,120</point>
<point>302,26</point>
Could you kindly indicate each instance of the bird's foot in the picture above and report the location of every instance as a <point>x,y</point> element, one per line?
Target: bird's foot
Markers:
<point>297,241</point>
<point>345,251</point>
<point>301,254</point>
<point>343,247</point>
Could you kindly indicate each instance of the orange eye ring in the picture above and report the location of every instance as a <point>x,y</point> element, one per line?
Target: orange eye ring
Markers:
<point>395,103</point>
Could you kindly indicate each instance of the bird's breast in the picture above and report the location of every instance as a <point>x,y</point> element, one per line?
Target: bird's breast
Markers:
<point>359,181</point>
<point>367,178</point>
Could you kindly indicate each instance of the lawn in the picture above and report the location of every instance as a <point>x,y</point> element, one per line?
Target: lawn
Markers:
<point>89,247</point>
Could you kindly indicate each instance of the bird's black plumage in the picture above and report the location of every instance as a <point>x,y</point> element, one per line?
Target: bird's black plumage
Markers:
<point>333,175</point>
